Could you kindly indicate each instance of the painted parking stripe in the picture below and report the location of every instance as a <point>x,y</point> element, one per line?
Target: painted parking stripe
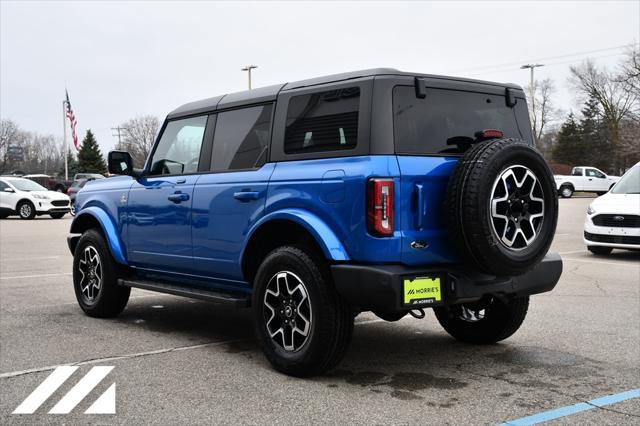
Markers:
<point>18,277</point>
<point>573,409</point>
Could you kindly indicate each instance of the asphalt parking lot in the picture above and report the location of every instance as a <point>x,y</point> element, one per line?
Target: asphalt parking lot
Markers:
<point>179,361</point>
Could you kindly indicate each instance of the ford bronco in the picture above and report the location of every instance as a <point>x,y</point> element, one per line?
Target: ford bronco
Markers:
<point>312,201</point>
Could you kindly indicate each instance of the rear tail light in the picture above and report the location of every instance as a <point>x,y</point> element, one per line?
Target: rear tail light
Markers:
<point>69,190</point>
<point>380,206</point>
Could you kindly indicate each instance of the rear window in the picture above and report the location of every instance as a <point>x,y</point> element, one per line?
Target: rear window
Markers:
<point>446,120</point>
<point>325,121</point>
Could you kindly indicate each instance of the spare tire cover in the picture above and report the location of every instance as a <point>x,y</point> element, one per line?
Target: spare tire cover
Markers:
<point>502,206</point>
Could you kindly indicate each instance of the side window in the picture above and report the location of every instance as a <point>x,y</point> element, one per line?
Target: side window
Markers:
<point>576,172</point>
<point>3,186</point>
<point>178,151</point>
<point>241,139</point>
<point>324,121</point>
<point>594,173</point>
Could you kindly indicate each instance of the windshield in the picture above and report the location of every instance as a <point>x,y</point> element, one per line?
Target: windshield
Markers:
<point>26,185</point>
<point>629,183</point>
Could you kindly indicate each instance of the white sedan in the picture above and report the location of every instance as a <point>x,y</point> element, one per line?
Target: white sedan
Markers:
<point>613,220</point>
<point>27,199</point>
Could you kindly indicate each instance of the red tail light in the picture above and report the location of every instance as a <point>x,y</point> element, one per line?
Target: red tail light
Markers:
<point>69,190</point>
<point>380,206</point>
<point>490,134</point>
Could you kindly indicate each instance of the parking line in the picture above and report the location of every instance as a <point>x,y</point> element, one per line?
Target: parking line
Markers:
<point>632,265</point>
<point>120,357</point>
<point>573,409</point>
<point>17,277</point>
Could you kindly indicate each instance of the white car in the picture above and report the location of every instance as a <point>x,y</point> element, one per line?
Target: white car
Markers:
<point>613,220</point>
<point>27,199</point>
<point>584,179</point>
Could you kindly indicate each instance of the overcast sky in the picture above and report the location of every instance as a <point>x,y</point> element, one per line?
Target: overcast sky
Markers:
<point>122,59</point>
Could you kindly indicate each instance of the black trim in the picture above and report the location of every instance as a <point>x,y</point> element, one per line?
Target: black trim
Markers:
<point>237,300</point>
<point>379,287</point>
<point>612,239</point>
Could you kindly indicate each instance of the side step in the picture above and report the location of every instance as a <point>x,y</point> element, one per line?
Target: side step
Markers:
<point>237,300</point>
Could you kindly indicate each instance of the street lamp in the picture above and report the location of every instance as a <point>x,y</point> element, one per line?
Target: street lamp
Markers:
<point>531,67</point>
<point>248,69</point>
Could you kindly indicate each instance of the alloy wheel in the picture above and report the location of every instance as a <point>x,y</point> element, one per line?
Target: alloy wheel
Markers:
<point>517,207</point>
<point>25,210</point>
<point>287,311</point>
<point>90,270</point>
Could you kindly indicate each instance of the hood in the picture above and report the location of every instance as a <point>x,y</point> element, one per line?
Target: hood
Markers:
<point>617,203</point>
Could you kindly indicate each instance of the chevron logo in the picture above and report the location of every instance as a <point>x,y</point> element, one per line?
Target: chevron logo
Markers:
<point>105,404</point>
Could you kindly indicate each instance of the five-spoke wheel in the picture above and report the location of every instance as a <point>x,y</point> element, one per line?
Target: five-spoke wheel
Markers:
<point>517,207</point>
<point>287,311</point>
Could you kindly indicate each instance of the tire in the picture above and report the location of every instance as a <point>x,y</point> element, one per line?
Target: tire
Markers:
<point>502,207</point>
<point>72,209</point>
<point>566,191</point>
<point>26,210</point>
<point>323,314</point>
<point>391,316</point>
<point>102,297</point>
<point>599,250</point>
<point>56,215</point>
<point>499,320</point>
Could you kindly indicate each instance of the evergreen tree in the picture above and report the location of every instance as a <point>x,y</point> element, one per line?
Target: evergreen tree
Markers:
<point>72,165</point>
<point>90,158</point>
<point>568,148</point>
<point>597,148</point>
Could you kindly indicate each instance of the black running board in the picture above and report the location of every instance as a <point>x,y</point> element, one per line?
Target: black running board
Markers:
<point>237,300</point>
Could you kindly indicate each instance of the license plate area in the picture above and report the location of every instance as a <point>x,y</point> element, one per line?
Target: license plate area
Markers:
<point>423,290</point>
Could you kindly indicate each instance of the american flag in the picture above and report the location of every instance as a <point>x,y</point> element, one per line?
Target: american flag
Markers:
<point>72,119</point>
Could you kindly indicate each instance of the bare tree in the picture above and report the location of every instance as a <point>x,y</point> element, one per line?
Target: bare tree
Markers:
<point>9,133</point>
<point>139,135</point>
<point>544,112</point>
<point>615,100</point>
<point>630,70</point>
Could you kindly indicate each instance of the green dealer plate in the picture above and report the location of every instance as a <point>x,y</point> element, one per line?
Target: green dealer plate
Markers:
<point>422,291</point>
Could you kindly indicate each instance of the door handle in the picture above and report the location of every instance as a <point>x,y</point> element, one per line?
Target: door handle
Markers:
<point>590,179</point>
<point>178,197</point>
<point>182,180</point>
<point>245,196</point>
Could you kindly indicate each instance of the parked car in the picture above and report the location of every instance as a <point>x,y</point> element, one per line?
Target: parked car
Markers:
<point>50,182</point>
<point>613,220</point>
<point>27,199</point>
<point>79,176</point>
<point>76,186</point>
<point>584,179</point>
<point>312,201</point>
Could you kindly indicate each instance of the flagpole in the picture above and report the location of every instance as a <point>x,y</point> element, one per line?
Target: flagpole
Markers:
<point>64,139</point>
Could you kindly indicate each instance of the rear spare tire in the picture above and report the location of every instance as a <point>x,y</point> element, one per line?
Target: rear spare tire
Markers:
<point>502,206</point>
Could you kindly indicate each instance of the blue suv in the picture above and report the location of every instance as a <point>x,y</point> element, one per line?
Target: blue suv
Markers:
<point>312,201</point>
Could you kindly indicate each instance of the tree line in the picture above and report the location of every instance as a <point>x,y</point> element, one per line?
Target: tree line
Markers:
<point>45,153</point>
<point>606,131</point>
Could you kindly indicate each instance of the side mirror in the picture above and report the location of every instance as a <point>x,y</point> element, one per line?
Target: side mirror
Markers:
<point>120,163</point>
<point>9,190</point>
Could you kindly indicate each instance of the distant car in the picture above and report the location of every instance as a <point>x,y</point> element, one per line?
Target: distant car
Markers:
<point>613,220</point>
<point>76,186</point>
<point>79,176</point>
<point>584,179</point>
<point>27,199</point>
<point>49,182</point>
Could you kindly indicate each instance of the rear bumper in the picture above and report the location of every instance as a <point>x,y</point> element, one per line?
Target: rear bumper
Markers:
<point>380,287</point>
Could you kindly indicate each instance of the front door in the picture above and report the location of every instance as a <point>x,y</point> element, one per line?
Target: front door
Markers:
<point>159,204</point>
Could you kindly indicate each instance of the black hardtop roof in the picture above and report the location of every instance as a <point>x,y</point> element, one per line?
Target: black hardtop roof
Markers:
<point>270,93</point>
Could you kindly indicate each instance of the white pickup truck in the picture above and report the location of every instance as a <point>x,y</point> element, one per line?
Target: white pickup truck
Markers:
<point>584,179</point>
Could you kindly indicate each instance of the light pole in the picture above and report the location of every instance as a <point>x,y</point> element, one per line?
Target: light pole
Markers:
<point>532,93</point>
<point>248,69</point>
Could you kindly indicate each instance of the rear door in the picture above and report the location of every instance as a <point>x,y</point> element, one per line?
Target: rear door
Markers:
<point>231,198</point>
<point>430,133</point>
<point>159,203</point>
<point>595,180</point>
